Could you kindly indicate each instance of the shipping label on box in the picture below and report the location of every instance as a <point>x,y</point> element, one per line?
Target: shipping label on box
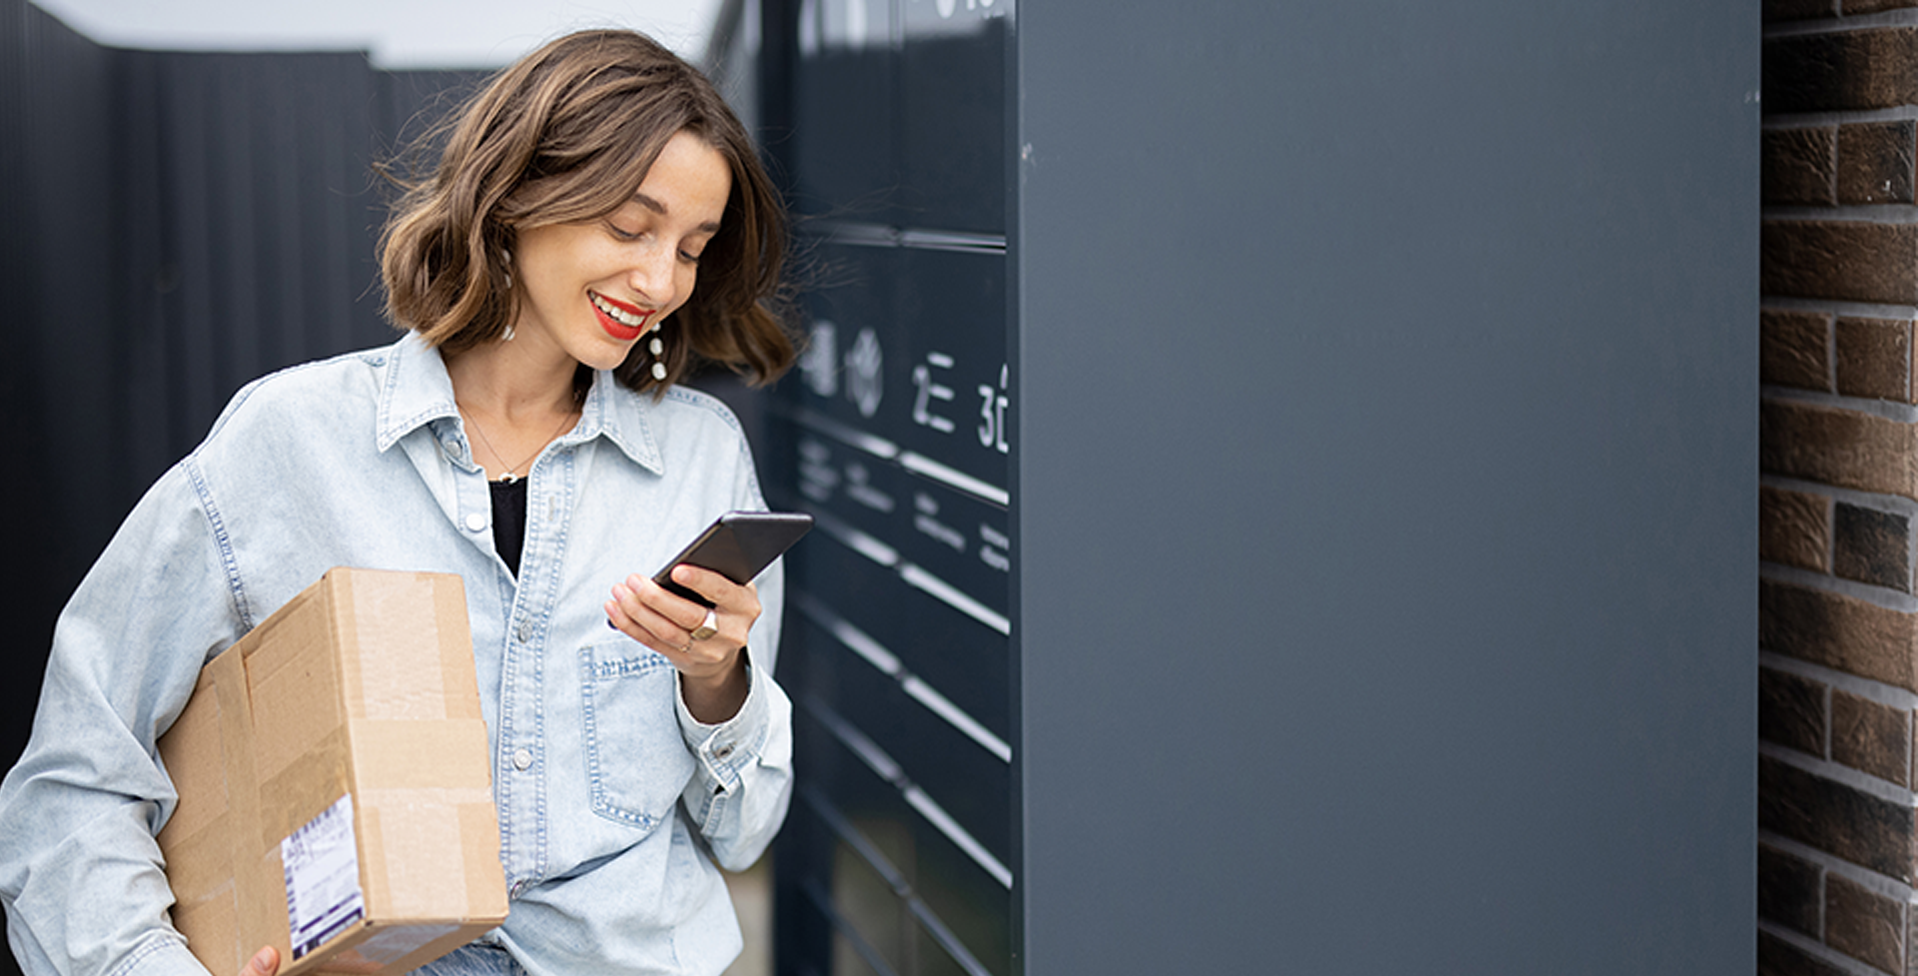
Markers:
<point>335,789</point>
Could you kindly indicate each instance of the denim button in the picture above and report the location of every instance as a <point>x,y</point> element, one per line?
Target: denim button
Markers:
<point>475,522</point>
<point>522,758</point>
<point>525,631</point>
<point>722,752</point>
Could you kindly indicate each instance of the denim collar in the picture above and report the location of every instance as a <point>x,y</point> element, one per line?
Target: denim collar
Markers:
<point>417,392</point>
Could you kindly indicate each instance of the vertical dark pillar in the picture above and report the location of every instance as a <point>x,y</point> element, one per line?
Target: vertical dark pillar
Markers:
<point>60,324</point>
<point>25,591</point>
<point>1384,491</point>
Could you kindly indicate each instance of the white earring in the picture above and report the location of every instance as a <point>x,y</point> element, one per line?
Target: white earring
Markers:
<point>506,257</point>
<point>658,349</point>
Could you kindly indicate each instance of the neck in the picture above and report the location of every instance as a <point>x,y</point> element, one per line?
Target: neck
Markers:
<point>509,381</point>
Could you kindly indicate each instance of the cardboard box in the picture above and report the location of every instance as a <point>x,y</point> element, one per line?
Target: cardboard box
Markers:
<point>335,791</point>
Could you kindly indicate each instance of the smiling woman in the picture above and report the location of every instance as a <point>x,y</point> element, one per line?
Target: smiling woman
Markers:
<point>551,143</point>
<point>598,227</point>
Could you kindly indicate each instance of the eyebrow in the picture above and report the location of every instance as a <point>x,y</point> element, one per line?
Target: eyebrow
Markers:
<point>710,226</point>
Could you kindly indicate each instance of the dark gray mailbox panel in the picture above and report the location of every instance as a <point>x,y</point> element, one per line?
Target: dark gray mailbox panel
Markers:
<point>894,434</point>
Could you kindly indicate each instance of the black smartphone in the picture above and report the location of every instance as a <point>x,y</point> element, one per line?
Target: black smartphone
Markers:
<point>738,545</point>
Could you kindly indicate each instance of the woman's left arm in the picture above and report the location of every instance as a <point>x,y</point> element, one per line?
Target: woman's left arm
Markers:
<point>736,720</point>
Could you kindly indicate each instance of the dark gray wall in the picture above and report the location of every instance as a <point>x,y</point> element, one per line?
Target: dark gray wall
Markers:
<point>1385,380</point>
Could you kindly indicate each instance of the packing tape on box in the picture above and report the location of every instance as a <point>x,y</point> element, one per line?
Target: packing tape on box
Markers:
<point>387,624</point>
<point>436,834</point>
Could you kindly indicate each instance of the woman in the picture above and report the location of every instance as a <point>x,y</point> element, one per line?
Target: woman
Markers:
<point>527,434</point>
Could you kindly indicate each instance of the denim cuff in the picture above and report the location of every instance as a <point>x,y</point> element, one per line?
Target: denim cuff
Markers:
<point>724,749</point>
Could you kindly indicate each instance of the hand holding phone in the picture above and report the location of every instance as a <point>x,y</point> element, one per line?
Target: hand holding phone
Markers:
<point>738,546</point>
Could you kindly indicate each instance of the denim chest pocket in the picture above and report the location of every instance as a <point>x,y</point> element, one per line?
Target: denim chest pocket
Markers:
<point>636,760</point>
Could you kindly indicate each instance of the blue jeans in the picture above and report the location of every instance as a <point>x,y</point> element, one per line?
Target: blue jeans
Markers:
<point>475,959</point>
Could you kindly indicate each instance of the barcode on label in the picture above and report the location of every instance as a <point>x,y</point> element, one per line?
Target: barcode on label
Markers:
<point>322,878</point>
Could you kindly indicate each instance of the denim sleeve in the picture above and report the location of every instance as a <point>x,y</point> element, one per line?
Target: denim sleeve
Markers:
<point>80,871</point>
<point>742,780</point>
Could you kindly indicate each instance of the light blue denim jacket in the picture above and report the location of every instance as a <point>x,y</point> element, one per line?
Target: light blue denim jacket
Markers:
<point>600,775</point>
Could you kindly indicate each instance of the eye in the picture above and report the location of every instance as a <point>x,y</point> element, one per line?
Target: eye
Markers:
<point>689,257</point>
<point>622,234</point>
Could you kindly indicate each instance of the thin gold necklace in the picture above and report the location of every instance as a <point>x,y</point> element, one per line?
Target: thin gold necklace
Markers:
<point>509,477</point>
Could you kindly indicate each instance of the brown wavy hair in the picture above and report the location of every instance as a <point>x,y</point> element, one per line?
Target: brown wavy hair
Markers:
<point>567,134</point>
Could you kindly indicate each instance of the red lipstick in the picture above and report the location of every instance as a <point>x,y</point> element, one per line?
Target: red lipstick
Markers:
<point>614,327</point>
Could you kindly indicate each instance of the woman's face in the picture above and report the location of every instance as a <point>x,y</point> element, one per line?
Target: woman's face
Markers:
<point>594,287</point>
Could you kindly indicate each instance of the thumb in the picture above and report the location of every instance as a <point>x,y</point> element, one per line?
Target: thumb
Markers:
<point>266,962</point>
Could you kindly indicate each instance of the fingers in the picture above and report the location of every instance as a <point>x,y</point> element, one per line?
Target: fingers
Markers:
<point>266,962</point>
<point>636,610</point>
<point>644,611</point>
<point>725,595</point>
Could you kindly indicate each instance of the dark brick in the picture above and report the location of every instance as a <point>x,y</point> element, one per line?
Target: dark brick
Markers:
<point>1863,925</point>
<point>1874,358</point>
<point>1799,166</point>
<point>1794,528</point>
<point>1838,447</point>
<point>1790,892</point>
<point>1799,9</point>
<point>1847,259</point>
<point>1794,349</point>
<point>1911,941</point>
<point>1855,7</point>
<point>1841,71</point>
<point>1875,162</point>
<point>1870,737</point>
<point>1776,957</point>
<point>1872,833</point>
<point>1791,711</point>
<point>1871,546</point>
<point>1837,631</point>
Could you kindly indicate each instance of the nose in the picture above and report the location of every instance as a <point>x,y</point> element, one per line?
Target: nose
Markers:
<point>652,275</point>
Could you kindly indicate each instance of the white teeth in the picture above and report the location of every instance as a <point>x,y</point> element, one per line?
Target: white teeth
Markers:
<point>621,316</point>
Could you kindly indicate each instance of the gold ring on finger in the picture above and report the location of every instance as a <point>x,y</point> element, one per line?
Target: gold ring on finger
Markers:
<point>707,627</point>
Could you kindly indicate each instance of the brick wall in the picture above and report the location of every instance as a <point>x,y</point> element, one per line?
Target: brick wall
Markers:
<point>1838,621</point>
